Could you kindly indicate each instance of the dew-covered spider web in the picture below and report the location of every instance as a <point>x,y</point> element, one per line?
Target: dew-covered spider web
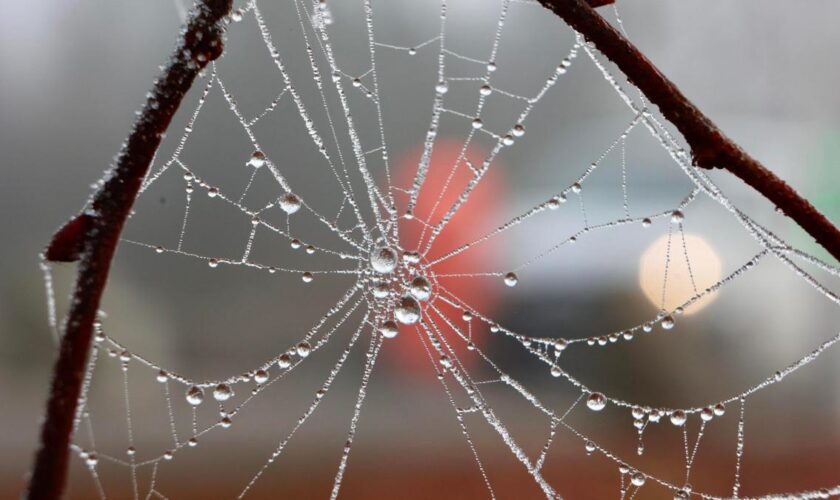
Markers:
<point>448,212</point>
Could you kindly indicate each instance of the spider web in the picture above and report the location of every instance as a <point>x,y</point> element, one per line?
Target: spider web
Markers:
<point>327,204</point>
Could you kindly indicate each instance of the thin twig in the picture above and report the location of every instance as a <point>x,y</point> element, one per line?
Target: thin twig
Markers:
<point>92,238</point>
<point>710,148</point>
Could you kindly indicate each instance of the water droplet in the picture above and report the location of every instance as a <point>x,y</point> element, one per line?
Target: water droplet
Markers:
<point>491,66</point>
<point>222,392</point>
<point>212,192</point>
<point>560,345</point>
<point>389,329</point>
<point>678,417</point>
<point>284,361</point>
<point>556,371</point>
<point>442,88</point>
<point>707,414</point>
<point>92,459</point>
<point>261,377</point>
<point>637,412</point>
<point>412,51</point>
<point>310,249</point>
<point>590,447</point>
<point>236,15</point>
<point>554,203</point>
<point>677,216</point>
<point>158,249</point>
<point>193,442</point>
<point>225,422</point>
<point>576,187</point>
<point>719,409</point>
<point>381,290</point>
<point>383,260</point>
<point>167,455</point>
<point>596,401</point>
<point>646,222</point>
<point>511,279</point>
<point>445,361</point>
<point>162,376</point>
<point>307,277</point>
<point>507,140</point>
<point>518,130</point>
<point>195,395</point>
<point>411,257</point>
<point>289,203</point>
<point>667,322</point>
<point>485,90</point>
<point>303,349</point>
<point>295,243</point>
<point>467,316</point>
<point>477,123</point>
<point>407,311</point>
<point>420,288</point>
<point>638,479</point>
<point>357,83</point>
<point>257,159</point>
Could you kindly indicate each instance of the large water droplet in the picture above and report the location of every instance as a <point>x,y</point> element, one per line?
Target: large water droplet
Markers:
<point>596,401</point>
<point>511,279</point>
<point>677,216</point>
<point>257,159</point>
<point>380,290</point>
<point>289,203</point>
<point>678,417</point>
<point>407,311</point>
<point>383,260</point>
<point>389,329</point>
<point>284,361</point>
<point>420,288</point>
<point>261,377</point>
<point>638,479</point>
<point>195,395</point>
<point>222,392</point>
<point>303,349</point>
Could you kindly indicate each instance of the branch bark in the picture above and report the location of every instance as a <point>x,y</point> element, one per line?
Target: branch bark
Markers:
<point>710,148</point>
<point>92,237</point>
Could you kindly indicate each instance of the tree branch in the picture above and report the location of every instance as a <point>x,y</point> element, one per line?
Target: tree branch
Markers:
<point>710,148</point>
<point>92,237</point>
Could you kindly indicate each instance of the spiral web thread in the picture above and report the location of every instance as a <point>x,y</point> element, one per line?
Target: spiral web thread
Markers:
<point>374,224</point>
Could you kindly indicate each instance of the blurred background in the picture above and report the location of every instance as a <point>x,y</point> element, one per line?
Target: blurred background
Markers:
<point>765,71</point>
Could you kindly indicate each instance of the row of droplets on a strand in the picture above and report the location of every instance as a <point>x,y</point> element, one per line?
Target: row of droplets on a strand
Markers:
<point>398,286</point>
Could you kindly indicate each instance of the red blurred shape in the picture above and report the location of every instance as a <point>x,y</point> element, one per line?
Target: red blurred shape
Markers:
<point>478,216</point>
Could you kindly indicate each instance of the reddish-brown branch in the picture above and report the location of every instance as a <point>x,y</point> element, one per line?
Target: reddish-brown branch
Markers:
<point>710,148</point>
<point>92,238</point>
